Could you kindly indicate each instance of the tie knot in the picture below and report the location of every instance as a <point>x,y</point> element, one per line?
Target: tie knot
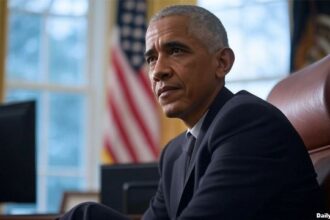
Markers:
<point>189,143</point>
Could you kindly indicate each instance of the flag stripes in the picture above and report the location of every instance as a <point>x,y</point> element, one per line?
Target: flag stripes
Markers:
<point>131,122</point>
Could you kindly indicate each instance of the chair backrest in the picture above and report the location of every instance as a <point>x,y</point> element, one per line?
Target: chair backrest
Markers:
<point>304,97</point>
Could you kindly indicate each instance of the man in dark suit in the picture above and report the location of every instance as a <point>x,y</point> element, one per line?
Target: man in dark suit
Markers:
<point>240,158</point>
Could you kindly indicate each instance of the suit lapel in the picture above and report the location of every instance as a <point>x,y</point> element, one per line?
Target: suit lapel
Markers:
<point>223,96</point>
<point>177,181</point>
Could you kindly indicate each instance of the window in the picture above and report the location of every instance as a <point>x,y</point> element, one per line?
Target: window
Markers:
<point>258,32</point>
<point>47,61</point>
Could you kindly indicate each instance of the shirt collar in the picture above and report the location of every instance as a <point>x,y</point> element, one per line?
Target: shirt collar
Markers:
<point>194,131</point>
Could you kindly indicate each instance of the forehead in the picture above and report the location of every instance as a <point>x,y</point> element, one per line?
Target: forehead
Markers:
<point>168,27</point>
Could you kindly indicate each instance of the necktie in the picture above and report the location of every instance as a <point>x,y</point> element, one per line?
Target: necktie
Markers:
<point>189,147</point>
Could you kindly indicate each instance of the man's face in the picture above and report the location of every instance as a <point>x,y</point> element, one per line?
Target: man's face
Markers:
<point>181,69</point>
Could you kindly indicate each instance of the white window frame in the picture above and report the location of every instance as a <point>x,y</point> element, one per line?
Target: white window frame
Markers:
<point>96,66</point>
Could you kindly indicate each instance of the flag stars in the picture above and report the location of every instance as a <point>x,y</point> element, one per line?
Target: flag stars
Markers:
<point>126,44</point>
<point>129,5</point>
<point>136,60</point>
<point>127,18</point>
<point>132,25</point>
<point>139,20</point>
<point>141,7</point>
<point>137,46</point>
<point>138,33</point>
<point>126,31</point>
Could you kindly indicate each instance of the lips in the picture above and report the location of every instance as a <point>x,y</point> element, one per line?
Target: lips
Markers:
<point>166,89</point>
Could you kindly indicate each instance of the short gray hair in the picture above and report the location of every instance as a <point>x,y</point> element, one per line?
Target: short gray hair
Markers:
<point>204,25</point>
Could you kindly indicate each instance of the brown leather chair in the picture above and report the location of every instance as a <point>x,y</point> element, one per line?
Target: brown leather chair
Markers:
<point>304,97</point>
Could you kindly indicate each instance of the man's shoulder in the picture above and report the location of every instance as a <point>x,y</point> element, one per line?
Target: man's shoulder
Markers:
<point>244,100</point>
<point>244,96</point>
<point>246,109</point>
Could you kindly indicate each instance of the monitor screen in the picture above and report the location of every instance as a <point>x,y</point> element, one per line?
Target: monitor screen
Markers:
<point>17,152</point>
<point>128,188</point>
<point>137,195</point>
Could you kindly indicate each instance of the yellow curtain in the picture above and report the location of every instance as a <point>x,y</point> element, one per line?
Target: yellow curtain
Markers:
<point>169,127</point>
<point>156,5</point>
<point>3,35</point>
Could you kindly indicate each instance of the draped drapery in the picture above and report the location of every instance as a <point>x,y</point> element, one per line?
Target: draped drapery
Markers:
<point>3,36</point>
<point>310,32</point>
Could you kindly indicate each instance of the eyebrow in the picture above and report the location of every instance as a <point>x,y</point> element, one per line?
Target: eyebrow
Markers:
<point>172,44</point>
<point>148,53</point>
<point>167,45</point>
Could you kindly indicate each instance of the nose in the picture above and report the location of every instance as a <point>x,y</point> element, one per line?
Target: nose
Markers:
<point>162,70</point>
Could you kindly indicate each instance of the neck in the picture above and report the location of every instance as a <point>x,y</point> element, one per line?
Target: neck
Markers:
<point>192,118</point>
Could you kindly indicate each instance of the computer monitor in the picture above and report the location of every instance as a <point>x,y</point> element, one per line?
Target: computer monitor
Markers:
<point>17,152</point>
<point>128,188</point>
<point>137,195</point>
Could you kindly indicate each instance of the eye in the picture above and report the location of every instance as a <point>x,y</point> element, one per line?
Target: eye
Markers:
<point>176,50</point>
<point>151,59</point>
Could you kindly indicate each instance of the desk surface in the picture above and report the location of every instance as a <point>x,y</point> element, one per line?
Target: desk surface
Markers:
<point>46,217</point>
<point>30,217</point>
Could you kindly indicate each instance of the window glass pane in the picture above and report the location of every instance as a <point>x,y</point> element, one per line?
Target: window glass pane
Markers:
<point>30,5</point>
<point>225,4</point>
<point>13,4</point>
<point>20,95</point>
<point>66,130</point>
<point>55,188</point>
<point>24,47</point>
<point>67,50</point>
<point>259,36</point>
<point>17,209</point>
<point>219,4</point>
<point>260,88</point>
<point>69,7</point>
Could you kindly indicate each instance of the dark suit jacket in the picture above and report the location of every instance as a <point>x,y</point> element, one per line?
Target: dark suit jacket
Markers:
<point>248,163</point>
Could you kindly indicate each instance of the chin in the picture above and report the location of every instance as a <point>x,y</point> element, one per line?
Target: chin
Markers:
<point>170,112</point>
<point>174,110</point>
<point>173,113</point>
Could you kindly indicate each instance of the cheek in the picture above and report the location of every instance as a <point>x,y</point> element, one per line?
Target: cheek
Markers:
<point>151,81</point>
<point>200,80</point>
<point>153,86</point>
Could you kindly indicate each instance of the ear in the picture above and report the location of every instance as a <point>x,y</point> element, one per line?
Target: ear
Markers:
<point>225,59</point>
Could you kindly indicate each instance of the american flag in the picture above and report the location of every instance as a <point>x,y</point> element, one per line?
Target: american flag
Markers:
<point>132,122</point>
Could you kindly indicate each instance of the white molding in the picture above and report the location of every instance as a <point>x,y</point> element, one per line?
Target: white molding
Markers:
<point>99,23</point>
<point>46,87</point>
